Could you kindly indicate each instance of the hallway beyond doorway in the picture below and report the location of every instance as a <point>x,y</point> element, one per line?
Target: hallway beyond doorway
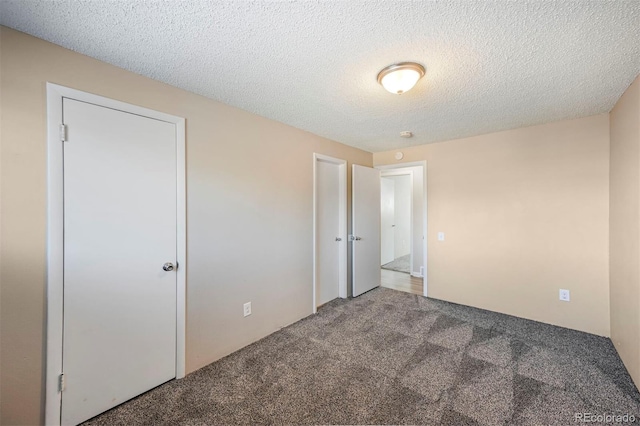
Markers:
<point>401,264</point>
<point>401,281</point>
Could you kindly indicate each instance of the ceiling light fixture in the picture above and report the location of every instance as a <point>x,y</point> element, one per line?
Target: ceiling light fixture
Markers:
<point>401,77</point>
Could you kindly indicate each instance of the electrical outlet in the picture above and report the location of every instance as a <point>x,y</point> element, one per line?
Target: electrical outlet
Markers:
<point>247,309</point>
<point>565,295</point>
<point>440,236</point>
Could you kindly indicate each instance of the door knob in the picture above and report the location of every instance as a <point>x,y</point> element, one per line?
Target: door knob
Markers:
<point>168,266</point>
<point>338,239</point>
<point>358,238</point>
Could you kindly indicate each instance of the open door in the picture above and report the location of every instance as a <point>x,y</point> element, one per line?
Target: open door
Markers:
<point>365,240</point>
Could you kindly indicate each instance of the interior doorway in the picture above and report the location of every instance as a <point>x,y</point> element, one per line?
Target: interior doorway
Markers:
<point>98,218</point>
<point>396,224</point>
<point>403,248</point>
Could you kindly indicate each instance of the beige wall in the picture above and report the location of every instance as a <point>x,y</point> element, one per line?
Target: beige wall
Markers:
<point>525,212</point>
<point>625,228</point>
<point>249,202</point>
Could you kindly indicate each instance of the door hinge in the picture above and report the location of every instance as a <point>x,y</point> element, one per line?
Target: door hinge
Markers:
<point>63,132</point>
<point>61,383</point>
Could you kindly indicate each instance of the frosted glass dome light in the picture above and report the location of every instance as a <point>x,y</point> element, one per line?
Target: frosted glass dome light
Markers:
<point>401,77</point>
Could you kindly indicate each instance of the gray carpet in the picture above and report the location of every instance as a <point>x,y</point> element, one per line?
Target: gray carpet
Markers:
<point>401,264</point>
<point>389,357</point>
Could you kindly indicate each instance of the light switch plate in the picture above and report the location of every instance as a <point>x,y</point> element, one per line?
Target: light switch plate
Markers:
<point>440,236</point>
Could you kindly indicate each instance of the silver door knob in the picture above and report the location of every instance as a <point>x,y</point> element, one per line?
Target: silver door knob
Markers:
<point>168,266</point>
<point>338,239</point>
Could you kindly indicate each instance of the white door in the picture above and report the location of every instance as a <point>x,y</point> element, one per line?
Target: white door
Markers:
<point>328,231</point>
<point>387,217</point>
<point>119,230</point>
<point>366,229</point>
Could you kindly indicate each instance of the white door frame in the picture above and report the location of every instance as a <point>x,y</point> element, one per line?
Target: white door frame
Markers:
<point>400,172</point>
<point>55,235</point>
<point>342,206</point>
<point>423,164</point>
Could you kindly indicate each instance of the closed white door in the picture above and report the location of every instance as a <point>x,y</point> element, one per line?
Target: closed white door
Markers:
<point>387,217</point>
<point>119,232</point>
<point>328,233</point>
<point>366,229</point>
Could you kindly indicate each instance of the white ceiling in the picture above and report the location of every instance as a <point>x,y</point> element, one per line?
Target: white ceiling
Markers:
<point>490,65</point>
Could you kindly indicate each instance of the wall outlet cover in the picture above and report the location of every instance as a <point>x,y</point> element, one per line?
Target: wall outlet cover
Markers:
<point>565,295</point>
<point>440,236</point>
<point>247,309</point>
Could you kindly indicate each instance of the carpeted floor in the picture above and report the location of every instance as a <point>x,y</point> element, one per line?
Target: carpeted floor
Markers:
<point>389,357</point>
<point>401,264</point>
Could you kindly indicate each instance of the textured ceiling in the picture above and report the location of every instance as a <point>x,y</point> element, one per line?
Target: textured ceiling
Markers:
<point>490,65</point>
